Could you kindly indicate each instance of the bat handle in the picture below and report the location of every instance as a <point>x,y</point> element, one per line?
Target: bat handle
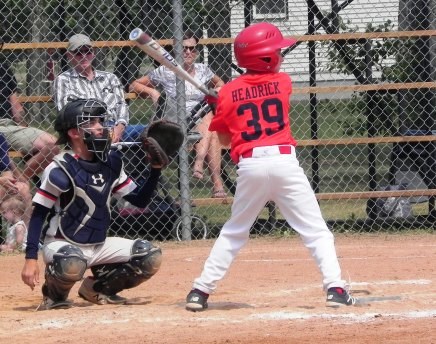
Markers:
<point>212,92</point>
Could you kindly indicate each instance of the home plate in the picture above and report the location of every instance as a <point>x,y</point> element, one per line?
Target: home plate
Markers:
<point>367,300</point>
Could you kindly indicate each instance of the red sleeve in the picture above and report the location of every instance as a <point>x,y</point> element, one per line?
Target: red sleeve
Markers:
<point>218,122</point>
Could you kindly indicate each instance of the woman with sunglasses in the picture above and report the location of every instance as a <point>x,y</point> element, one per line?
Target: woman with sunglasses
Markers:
<point>162,79</point>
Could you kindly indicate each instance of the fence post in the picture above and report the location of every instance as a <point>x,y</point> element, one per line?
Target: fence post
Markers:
<point>185,199</point>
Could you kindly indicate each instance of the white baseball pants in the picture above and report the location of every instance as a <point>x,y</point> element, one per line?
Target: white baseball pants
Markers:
<point>271,176</point>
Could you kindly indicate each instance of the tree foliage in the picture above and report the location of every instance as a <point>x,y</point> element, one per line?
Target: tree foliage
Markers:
<point>389,60</point>
<point>99,18</point>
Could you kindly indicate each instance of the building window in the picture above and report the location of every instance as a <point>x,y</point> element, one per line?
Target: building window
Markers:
<point>272,9</point>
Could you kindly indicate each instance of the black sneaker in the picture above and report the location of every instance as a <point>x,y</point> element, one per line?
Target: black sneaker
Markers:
<point>337,297</point>
<point>196,301</point>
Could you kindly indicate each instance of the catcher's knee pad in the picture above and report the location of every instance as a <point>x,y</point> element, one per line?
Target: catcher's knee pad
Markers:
<point>68,264</point>
<point>67,267</point>
<point>144,263</point>
<point>146,257</point>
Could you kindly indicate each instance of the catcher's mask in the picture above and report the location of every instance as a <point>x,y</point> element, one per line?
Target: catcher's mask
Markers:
<point>84,114</point>
<point>257,47</point>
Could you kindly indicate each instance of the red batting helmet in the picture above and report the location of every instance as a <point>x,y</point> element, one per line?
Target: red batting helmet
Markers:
<point>256,47</point>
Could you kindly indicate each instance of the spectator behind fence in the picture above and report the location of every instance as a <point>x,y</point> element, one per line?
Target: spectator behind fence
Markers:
<point>37,146</point>
<point>9,184</point>
<point>83,81</point>
<point>208,148</point>
<point>13,209</point>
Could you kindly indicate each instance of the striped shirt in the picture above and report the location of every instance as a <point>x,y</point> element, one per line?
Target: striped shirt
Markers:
<point>105,87</point>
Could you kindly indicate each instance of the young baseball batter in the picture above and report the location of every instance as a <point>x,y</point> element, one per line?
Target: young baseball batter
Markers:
<point>78,186</point>
<point>252,115</point>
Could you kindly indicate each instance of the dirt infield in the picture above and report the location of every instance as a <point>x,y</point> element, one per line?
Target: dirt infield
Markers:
<point>272,294</point>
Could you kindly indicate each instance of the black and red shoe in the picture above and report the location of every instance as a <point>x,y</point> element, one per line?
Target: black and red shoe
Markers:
<point>337,297</point>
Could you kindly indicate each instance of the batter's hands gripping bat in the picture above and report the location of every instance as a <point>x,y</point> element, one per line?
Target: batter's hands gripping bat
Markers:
<point>156,51</point>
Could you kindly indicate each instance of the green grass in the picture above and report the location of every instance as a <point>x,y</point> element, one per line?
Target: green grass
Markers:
<point>330,114</point>
<point>141,111</point>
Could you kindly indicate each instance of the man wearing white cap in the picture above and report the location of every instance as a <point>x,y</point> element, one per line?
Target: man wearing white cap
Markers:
<point>83,81</point>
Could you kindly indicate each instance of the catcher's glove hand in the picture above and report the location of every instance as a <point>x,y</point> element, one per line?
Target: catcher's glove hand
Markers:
<point>161,140</point>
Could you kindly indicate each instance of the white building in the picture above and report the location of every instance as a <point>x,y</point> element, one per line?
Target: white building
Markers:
<point>292,18</point>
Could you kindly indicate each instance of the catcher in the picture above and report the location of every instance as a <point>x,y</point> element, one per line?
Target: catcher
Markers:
<point>74,192</point>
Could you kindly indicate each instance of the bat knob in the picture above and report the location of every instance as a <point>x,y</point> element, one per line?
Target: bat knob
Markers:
<point>134,35</point>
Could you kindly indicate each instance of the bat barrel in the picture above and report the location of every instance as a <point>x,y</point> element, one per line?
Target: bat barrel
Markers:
<point>135,34</point>
<point>154,50</point>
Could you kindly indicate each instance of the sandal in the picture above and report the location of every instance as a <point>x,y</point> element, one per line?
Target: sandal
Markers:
<point>219,194</point>
<point>198,175</point>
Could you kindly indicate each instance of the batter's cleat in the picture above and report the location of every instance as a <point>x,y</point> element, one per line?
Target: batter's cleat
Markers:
<point>196,301</point>
<point>87,292</point>
<point>48,303</point>
<point>338,297</point>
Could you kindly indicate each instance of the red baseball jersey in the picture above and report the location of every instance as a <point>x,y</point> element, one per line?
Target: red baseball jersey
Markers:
<point>254,110</point>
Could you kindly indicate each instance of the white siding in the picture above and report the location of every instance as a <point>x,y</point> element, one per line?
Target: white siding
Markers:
<point>358,15</point>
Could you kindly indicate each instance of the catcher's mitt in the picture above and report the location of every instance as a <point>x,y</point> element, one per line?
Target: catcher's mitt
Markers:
<point>161,140</point>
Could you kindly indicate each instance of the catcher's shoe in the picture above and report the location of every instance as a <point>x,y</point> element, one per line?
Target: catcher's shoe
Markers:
<point>87,292</point>
<point>48,303</point>
<point>196,301</point>
<point>337,297</point>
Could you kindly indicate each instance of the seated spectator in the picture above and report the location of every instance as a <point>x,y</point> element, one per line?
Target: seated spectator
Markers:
<point>13,209</point>
<point>83,81</point>
<point>163,79</point>
<point>10,185</point>
<point>37,146</point>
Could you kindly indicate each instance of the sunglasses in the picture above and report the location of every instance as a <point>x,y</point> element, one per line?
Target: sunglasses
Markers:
<point>190,48</point>
<point>83,52</point>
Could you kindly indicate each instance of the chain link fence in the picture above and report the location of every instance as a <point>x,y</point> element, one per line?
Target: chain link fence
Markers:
<point>362,109</point>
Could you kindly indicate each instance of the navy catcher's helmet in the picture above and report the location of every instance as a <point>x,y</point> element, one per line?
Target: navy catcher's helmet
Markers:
<point>77,114</point>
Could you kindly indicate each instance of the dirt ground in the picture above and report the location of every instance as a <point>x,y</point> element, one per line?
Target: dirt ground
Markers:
<point>272,294</point>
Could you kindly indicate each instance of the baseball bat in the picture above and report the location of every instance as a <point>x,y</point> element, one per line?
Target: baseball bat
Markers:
<point>156,51</point>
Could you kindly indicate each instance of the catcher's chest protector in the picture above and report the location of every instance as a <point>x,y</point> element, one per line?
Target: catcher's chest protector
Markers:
<point>86,218</point>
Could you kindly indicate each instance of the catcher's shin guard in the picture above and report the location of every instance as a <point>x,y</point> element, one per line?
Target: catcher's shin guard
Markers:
<point>67,267</point>
<point>112,278</point>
